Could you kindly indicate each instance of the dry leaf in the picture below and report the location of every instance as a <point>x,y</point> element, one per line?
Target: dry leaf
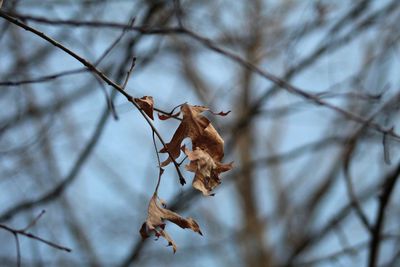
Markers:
<point>205,160</point>
<point>206,170</point>
<point>156,216</point>
<point>199,129</point>
<point>146,103</point>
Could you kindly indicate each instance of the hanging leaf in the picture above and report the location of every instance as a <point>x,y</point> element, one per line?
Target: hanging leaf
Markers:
<point>199,129</point>
<point>205,159</point>
<point>156,216</point>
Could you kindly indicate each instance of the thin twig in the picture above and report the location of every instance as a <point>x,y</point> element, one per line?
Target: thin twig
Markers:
<point>18,249</point>
<point>115,42</point>
<point>172,116</point>
<point>34,221</point>
<point>45,78</point>
<point>161,170</point>
<point>32,236</point>
<point>128,74</point>
<point>51,244</point>
<point>349,184</point>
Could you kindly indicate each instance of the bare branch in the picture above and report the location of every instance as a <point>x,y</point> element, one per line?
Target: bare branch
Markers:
<point>384,198</point>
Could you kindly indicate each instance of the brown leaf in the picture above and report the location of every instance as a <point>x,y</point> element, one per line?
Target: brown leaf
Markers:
<point>206,170</point>
<point>173,147</point>
<point>205,160</point>
<point>199,129</point>
<point>155,221</point>
<point>146,103</point>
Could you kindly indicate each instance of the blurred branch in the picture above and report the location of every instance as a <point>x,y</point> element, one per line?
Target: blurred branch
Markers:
<point>384,197</point>
<point>23,232</point>
<point>97,24</point>
<point>101,75</point>
<point>60,188</point>
<point>286,58</point>
<point>32,236</point>
<point>282,83</point>
<point>351,144</point>
<point>323,49</point>
<point>44,78</point>
<point>350,250</point>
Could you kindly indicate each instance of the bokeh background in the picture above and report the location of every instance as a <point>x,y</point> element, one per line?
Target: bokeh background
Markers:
<point>311,171</point>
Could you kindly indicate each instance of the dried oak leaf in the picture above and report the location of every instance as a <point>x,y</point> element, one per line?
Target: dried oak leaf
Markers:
<point>206,170</point>
<point>199,129</point>
<point>156,216</point>
<point>205,160</point>
<point>146,103</point>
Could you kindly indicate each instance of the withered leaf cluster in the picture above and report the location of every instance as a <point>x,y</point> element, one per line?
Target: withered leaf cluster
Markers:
<point>208,148</point>
<point>205,160</point>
